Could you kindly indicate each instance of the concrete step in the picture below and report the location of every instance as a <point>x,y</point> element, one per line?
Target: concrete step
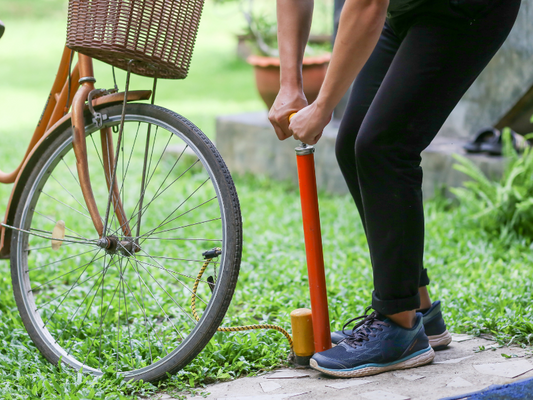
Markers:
<point>248,144</point>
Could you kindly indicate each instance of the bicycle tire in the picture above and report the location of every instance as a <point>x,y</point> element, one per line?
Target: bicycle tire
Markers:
<point>165,336</point>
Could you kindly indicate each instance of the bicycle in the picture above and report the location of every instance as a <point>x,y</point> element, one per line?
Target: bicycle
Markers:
<point>112,208</point>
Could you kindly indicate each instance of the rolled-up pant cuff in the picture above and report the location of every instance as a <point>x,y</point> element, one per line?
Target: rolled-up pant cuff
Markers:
<point>387,307</point>
<point>424,279</point>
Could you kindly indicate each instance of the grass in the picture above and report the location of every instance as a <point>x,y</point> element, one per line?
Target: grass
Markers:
<point>485,284</point>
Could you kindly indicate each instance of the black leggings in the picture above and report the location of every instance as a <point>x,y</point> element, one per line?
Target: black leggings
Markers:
<point>422,65</point>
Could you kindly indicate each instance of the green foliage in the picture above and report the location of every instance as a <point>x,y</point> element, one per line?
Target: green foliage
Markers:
<point>33,8</point>
<point>260,27</point>
<point>503,208</point>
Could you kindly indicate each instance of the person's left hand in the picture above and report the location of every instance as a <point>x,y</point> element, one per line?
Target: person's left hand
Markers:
<point>308,124</point>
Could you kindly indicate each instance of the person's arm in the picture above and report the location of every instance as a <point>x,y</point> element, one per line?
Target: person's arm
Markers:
<point>359,30</point>
<point>294,23</point>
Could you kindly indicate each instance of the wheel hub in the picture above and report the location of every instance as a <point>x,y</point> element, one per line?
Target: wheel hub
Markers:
<point>113,245</point>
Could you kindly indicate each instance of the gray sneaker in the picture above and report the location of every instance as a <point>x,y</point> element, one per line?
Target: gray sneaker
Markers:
<point>434,326</point>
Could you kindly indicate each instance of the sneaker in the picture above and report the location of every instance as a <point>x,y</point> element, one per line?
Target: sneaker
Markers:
<point>377,345</point>
<point>439,337</point>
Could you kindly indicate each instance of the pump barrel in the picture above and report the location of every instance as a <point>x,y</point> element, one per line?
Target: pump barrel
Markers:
<point>313,247</point>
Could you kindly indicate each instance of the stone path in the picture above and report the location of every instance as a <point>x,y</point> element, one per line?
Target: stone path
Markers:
<point>462,368</point>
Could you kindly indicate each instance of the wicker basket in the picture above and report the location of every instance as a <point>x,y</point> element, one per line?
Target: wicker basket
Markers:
<point>158,34</point>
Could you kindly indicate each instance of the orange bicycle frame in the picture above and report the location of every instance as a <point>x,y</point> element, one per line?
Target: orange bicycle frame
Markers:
<point>71,89</point>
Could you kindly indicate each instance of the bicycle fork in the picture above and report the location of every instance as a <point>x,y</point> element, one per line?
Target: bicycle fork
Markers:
<point>109,161</point>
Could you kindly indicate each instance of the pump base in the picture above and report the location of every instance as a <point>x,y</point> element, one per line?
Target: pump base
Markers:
<point>301,361</point>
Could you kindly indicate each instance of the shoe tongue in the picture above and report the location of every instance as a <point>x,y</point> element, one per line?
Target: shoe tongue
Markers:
<point>379,316</point>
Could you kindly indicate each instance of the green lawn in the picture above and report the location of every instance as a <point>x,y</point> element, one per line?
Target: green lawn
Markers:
<point>484,283</point>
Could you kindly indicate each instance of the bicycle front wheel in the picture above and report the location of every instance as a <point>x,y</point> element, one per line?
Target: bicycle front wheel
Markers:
<point>123,307</point>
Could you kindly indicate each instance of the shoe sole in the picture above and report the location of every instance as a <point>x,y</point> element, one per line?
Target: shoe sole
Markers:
<point>441,341</point>
<point>420,359</point>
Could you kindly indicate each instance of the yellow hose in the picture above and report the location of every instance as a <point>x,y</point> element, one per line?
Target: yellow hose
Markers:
<point>231,328</point>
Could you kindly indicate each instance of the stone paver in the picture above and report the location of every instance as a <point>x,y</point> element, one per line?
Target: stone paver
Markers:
<point>461,368</point>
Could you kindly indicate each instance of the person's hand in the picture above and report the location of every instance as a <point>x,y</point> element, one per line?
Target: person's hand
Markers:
<point>308,124</point>
<point>287,102</point>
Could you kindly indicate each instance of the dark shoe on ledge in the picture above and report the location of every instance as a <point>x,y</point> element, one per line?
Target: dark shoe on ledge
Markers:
<point>484,136</point>
<point>495,146</point>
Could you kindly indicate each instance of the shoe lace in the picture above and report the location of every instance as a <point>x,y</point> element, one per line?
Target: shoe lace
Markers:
<point>364,329</point>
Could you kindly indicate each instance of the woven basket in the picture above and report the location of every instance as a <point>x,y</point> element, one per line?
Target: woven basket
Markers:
<point>158,35</point>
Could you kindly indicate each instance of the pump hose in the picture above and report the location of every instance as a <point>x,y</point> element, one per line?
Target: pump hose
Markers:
<point>231,328</point>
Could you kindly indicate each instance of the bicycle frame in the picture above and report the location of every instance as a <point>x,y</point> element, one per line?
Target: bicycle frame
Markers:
<point>70,89</point>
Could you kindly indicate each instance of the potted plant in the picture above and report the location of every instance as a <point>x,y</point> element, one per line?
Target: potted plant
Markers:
<point>260,39</point>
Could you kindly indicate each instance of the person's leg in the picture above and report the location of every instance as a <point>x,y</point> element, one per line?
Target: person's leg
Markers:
<point>437,62</point>
<point>364,90</point>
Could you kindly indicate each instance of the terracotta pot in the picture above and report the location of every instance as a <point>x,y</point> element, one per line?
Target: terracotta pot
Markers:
<point>267,76</point>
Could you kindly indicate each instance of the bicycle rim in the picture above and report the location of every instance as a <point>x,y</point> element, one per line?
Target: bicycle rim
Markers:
<point>129,311</point>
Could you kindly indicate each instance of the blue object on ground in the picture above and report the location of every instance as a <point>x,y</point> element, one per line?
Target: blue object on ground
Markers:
<point>518,390</point>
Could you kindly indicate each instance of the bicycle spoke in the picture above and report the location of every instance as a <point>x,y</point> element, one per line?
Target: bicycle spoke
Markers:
<point>187,239</point>
<point>160,158</point>
<point>125,172</point>
<point>61,276</point>
<point>171,273</point>
<point>48,247</point>
<point>87,241</point>
<point>64,298</point>
<point>101,309</point>
<point>103,272</point>
<point>68,229</point>
<point>118,315</point>
<point>176,209</point>
<point>71,173</point>
<point>143,307</point>
<point>153,171</point>
<point>168,174</point>
<point>143,181</point>
<point>107,310</point>
<point>184,226</point>
<point>97,152</point>
<point>181,283</point>
<point>185,213</point>
<point>146,320</point>
<point>66,190</point>
<point>66,205</point>
<point>127,316</point>
<point>143,209</point>
<point>50,233</point>
<point>157,302</point>
<point>169,258</point>
<point>41,305</point>
<point>159,193</point>
<point>61,260</point>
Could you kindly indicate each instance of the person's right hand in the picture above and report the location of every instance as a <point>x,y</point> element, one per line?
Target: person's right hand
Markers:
<point>287,102</point>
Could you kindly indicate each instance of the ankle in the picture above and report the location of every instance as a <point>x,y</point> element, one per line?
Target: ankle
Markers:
<point>425,301</point>
<point>405,319</point>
